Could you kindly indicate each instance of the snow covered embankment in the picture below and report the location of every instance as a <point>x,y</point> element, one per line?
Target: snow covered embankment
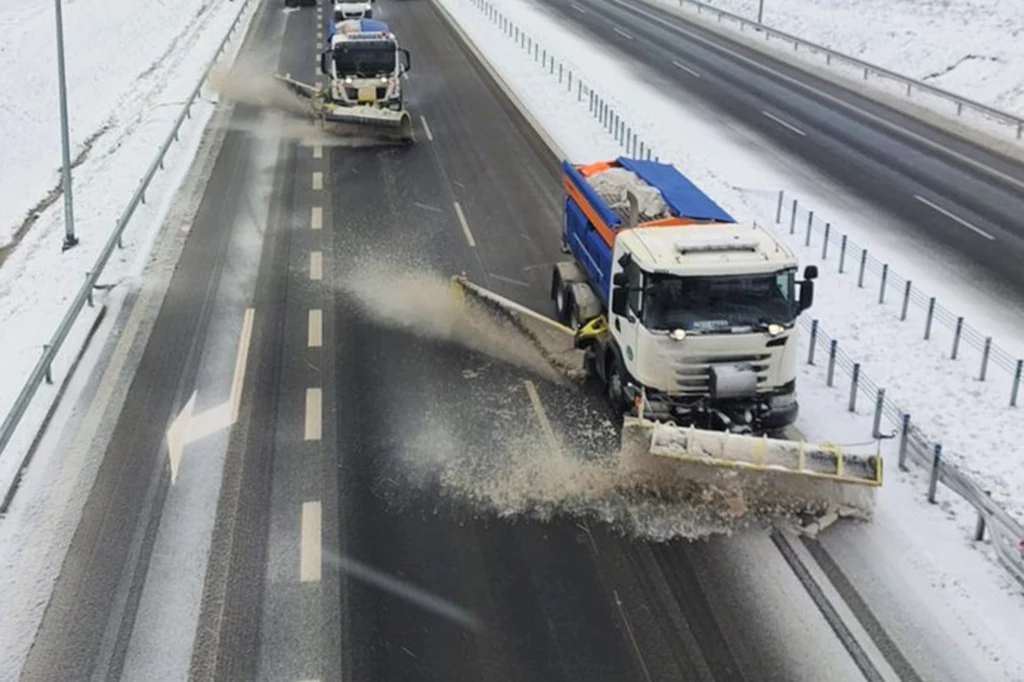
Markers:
<point>128,76</point>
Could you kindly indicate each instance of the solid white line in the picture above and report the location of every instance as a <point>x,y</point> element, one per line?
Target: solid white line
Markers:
<point>784,124</point>
<point>686,68</point>
<point>952,216</point>
<point>314,413</point>
<point>465,225</point>
<point>622,33</point>
<point>241,362</point>
<point>315,329</point>
<point>316,218</point>
<point>426,128</point>
<point>318,180</point>
<point>316,265</point>
<point>833,99</point>
<point>542,417</point>
<point>318,151</point>
<point>310,549</point>
<point>578,8</point>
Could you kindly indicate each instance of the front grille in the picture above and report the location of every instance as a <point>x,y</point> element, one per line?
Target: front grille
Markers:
<point>693,374</point>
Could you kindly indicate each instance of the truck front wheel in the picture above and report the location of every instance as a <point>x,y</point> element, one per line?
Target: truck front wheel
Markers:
<point>563,300</point>
<point>614,387</point>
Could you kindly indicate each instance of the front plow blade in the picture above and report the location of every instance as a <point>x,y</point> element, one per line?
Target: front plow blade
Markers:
<point>369,121</point>
<point>768,477</point>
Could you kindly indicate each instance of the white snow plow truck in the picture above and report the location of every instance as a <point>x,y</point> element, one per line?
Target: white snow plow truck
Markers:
<point>688,319</point>
<point>364,67</point>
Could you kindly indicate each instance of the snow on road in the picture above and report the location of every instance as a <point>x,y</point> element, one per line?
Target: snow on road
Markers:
<point>969,47</point>
<point>968,596</point>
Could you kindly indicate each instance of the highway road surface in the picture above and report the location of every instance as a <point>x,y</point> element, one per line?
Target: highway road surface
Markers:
<point>938,187</point>
<point>365,492</point>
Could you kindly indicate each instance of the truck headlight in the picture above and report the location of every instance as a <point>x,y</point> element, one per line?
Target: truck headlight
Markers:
<point>677,334</point>
<point>775,329</point>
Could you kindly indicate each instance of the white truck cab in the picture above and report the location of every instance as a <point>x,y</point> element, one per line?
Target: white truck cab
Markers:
<point>708,312</point>
<point>365,67</point>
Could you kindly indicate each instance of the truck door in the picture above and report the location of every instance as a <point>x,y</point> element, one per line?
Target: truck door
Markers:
<point>625,327</point>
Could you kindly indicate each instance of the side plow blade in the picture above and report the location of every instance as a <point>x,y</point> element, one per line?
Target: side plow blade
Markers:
<point>768,477</point>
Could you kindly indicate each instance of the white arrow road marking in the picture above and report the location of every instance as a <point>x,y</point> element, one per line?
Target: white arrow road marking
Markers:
<point>188,427</point>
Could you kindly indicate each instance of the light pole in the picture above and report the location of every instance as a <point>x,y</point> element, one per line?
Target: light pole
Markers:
<point>69,210</point>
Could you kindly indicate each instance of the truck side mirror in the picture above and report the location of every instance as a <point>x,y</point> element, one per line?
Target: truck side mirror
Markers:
<point>807,292</point>
<point>406,60</point>
<point>619,300</point>
<point>625,259</point>
<point>620,279</point>
<point>811,272</point>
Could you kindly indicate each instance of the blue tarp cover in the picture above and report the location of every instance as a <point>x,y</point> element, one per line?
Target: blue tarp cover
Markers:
<point>682,196</point>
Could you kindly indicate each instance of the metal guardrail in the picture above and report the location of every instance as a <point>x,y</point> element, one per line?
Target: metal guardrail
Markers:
<point>868,68</point>
<point>84,297</point>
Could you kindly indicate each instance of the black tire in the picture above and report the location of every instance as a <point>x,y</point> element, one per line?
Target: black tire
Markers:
<point>560,294</point>
<point>613,385</point>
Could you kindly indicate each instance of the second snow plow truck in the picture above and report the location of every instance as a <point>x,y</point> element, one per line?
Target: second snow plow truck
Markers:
<point>364,67</point>
<point>688,320</point>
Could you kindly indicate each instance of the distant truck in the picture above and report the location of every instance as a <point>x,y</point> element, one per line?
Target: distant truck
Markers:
<point>684,314</point>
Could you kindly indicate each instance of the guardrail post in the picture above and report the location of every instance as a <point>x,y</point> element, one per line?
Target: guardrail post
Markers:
<point>778,209</point>
<point>579,91</point>
<point>830,377</point>
<point>792,218</point>
<point>956,337</point>
<point>49,370</point>
<point>854,384</point>
<point>904,441</point>
<point>928,319</point>
<point>1020,129</point>
<point>824,244</point>
<point>979,527</point>
<point>570,81</point>
<point>933,480</point>
<point>648,153</point>
<point>863,265</point>
<point>810,225</point>
<point>88,296</point>
<point>1016,383</point>
<point>906,300</point>
<point>881,289</point>
<point>813,342</point>
<point>552,71</point>
<point>641,149</point>
<point>879,406</point>
<point>908,89</point>
<point>984,358</point>
<point>865,73</point>
<point>842,254</point>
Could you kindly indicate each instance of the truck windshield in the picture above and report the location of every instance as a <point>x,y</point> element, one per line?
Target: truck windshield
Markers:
<point>365,60</point>
<point>719,303</point>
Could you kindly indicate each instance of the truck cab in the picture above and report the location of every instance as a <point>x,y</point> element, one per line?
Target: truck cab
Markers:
<point>685,314</point>
<point>365,64</point>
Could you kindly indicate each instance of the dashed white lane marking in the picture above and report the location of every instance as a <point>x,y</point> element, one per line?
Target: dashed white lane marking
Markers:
<point>318,180</point>
<point>622,33</point>
<point>314,413</point>
<point>785,124</point>
<point>952,216</point>
<point>316,217</point>
<point>687,69</point>
<point>426,128</point>
<point>315,329</point>
<point>465,225</point>
<point>310,549</point>
<point>316,265</point>
<point>318,151</point>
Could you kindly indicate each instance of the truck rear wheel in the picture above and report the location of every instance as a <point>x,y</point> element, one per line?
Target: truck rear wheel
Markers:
<point>614,387</point>
<point>563,299</point>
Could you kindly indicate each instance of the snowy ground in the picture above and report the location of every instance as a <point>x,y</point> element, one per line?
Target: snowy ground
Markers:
<point>929,545</point>
<point>121,111</point>
<point>969,47</point>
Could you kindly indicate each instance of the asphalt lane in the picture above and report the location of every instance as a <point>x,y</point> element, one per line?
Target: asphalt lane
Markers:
<point>881,155</point>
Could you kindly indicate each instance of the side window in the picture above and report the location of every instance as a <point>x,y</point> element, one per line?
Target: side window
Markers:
<point>636,283</point>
